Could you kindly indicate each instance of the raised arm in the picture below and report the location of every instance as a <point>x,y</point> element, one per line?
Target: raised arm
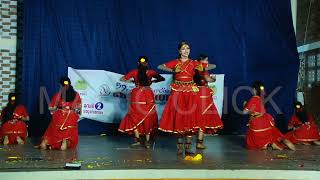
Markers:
<point>210,67</point>
<point>128,77</point>
<point>210,78</point>
<point>163,67</point>
<point>123,79</point>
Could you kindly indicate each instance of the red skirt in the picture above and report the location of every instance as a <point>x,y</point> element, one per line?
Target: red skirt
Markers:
<point>63,126</point>
<point>142,114</point>
<point>262,132</point>
<point>209,121</point>
<point>13,129</point>
<point>305,133</point>
<point>180,113</point>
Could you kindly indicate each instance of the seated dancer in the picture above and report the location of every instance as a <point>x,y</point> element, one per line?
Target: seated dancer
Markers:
<point>181,111</point>
<point>261,130</point>
<point>142,118</point>
<point>209,121</point>
<point>13,117</point>
<point>304,129</point>
<point>65,107</point>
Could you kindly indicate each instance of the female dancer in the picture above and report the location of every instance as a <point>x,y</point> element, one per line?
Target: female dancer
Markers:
<point>261,130</point>
<point>65,108</point>
<point>304,129</point>
<point>141,118</point>
<point>210,121</point>
<point>13,117</point>
<point>181,111</point>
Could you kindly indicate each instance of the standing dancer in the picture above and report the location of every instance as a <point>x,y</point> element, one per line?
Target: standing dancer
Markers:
<point>261,130</point>
<point>142,118</point>
<point>13,117</point>
<point>65,107</point>
<point>209,121</point>
<point>304,129</point>
<point>181,110</point>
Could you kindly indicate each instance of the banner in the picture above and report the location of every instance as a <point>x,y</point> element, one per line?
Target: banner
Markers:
<point>106,99</point>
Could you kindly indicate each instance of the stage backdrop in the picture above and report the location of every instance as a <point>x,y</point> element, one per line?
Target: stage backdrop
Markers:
<point>247,40</point>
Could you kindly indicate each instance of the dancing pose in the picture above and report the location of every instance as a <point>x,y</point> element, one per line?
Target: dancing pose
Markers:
<point>209,121</point>
<point>141,118</point>
<point>304,129</point>
<point>182,111</point>
<point>65,107</point>
<point>13,117</point>
<point>261,130</point>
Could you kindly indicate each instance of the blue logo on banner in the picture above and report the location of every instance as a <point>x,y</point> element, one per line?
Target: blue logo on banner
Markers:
<point>98,105</point>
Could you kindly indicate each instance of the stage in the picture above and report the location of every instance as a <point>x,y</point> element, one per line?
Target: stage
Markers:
<point>109,157</point>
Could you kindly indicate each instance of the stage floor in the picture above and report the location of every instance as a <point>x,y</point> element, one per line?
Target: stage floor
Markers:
<point>113,153</point>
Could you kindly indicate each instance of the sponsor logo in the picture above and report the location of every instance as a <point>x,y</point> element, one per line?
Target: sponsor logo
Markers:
<point>88,111</point>
<point>93,108</point>
<point>104,90</point>
<point>81,85</point>
<point>99,106</point>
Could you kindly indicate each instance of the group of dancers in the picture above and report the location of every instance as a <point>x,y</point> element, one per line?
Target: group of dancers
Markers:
<point>190,111</point>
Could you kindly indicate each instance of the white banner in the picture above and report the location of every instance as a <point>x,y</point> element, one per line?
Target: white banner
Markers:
<point>106,99</point>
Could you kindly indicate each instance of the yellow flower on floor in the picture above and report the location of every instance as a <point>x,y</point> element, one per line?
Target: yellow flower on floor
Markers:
<point>188,158</point>
<point>198,157</point>
<point>90,166</point>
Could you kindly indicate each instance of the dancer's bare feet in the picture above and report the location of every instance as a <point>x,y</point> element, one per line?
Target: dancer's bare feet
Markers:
<point>179,148</point>
<point>306,143</point>
<point>289,144</point>
<point>44,144</point>
<point>316,142</point>
<point>200,146</point>
<point>275,146</point>
<point>147,144</point>
<point>19,140</point>
<point>5,140</point>
<point>64,145</point>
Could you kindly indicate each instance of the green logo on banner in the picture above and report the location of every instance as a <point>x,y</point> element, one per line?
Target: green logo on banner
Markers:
<point>81,85</point>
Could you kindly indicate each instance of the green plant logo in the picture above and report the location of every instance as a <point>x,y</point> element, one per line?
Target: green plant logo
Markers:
<point>81,85</point>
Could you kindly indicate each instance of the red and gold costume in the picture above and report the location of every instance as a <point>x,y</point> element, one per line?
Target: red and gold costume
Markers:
<point>64,122</point>
<point>261,130</point>
<point>142,114</point>
<point>303,132</point>
<point>16,126</point>
<point>182,110</point>
<point>209,121</point>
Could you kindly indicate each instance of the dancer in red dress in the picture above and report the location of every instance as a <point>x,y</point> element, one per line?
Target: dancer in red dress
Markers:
<point>182,111</point>
<point>304,129</point>
<point>210,121</point>
<point>261,130</point>
<point>65,107</point>
<point>142,118</point>
<point>13,117</point>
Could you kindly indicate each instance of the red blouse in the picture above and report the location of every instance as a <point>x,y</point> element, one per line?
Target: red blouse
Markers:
<point>255,105</point>
<point>134,74</point>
